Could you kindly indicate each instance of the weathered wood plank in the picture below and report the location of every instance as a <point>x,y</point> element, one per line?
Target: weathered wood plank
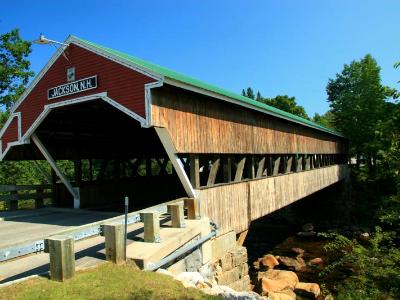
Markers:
<point>239,169</point>
<point>194,170</point>
<point>213,172</point>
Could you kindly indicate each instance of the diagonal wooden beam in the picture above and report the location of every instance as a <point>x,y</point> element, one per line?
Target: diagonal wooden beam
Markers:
<point>277,162</point>
<point>289,163</point>
<point>239,169</point>
<point>260,167</point>
<point>213,172</point>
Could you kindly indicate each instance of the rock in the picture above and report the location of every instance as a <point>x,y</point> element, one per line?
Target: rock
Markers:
<point>316,261</point>
<point>190,279</point>
<point>329,297</point>
<point>269,261</point>
<point>277,281</point>
<point>306,233</point>
<point>308,289</point>
<point>364,236</point>
<point>165,272</point>
<point>227,293</point>
<point>296,264</point>
<point>298,251</point>
<point>206,272</point>
<point>284,295</point>
<point>307,227</point>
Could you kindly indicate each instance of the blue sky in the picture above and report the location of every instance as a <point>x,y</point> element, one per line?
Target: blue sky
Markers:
<point>277,47</point>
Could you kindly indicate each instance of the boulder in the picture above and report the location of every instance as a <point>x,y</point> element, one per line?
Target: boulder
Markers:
<point>295,264</point>
<point>308,289</point>
<point>283,295</point>
<point>269,261</point>
<point>298,251</point>
<point>316,261</point>
<point>277,281</point>
<point>307,227</point>
<point>306,233</point>
<point>226,292</point>
<point>190,279</point>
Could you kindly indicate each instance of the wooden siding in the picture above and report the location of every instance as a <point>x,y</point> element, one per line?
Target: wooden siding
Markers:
<point>122,84</point>
<point>232,206</point>
<point>200,124</point>
<point>10,134</point>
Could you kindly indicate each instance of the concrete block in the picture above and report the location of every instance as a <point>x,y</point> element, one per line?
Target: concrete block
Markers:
<point>228,277</point>
<point>241,285</point>
<point>239,256</point>
<point>193,261</point>
<point>178,267</point>
<point>222,244</point>
<point>243,270</point>
<point>226,262</point>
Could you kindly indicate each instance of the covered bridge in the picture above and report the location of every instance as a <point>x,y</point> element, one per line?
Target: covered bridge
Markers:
<point>154,134</point>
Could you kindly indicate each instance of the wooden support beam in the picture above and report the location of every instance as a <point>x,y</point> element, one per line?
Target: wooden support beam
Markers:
<point>102,170</point>
<point>251,167</point>
<point>277,162</point>
<point>73,191</point>
<point>151,222</point>
<point>177,215</point>
<point>114,242</point>
<point>39,201</point>
<point>260,168</point>
<point>194,170</point>
<point>270,165</point>
<point>289,163</point>
<point>239,169</point>
<point>213,172</point>
<point>226,169</point>
<point>62,257</point>
<point>242,238</point>
<point>299,163</point>
<point>307,162</point>
<point>193,208</point>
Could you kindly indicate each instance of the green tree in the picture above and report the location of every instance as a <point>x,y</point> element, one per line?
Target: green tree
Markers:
<point>259,97</point>
<point>250,93</point>
<point>14,67</point>
<point>287,104</point>
<point>325,120</point>
<point>357,99</point>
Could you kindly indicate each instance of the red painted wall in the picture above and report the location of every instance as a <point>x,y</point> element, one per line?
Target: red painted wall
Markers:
<point>122,84</point>
<point>11,134</point>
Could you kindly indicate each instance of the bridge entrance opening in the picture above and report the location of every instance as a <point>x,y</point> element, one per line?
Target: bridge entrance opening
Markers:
<point>105,155</point>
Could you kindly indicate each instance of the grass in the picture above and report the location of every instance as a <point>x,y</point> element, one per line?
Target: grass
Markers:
<point>108,281</point>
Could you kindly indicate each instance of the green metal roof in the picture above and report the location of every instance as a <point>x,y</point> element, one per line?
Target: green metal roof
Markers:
<point>154,68</point>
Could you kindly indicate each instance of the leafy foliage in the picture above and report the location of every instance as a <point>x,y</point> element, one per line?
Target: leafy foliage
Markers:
<point>283,102</point>
<point>326,120</point>
<point>14,67</point>
<point>357,101</point>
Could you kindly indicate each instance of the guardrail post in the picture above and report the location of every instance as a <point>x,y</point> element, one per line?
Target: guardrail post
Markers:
<point>177,216</point>
<point>151,222</point>
<point>114,243</point>
<point>62,257</point>
<point>193,209</point>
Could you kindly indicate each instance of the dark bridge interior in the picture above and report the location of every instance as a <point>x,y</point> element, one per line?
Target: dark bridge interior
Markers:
<point>107,154</point>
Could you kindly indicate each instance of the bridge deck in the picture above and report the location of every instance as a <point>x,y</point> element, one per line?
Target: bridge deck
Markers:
<point>20,226</point>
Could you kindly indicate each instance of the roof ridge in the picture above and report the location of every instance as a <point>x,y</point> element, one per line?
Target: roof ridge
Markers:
<point>166,72</point>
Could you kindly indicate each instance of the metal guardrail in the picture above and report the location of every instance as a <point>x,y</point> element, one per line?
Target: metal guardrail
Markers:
<point>78,233</point>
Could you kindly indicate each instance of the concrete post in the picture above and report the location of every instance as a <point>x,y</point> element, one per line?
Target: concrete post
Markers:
<point>193,208</point>
<point>177,216</point>
<point>62,257</point>
<point>114,242</point>
<point>151,222</point>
